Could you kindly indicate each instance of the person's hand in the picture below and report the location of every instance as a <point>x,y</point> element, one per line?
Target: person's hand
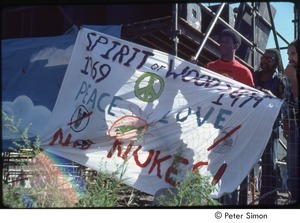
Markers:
<point>268,92</point>
<point>290,72</point>
<point>193,60</point>
<point>290,69</point>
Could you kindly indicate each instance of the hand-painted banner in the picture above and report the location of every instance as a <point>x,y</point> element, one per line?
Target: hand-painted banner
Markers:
<point>150,117</point>
<point>32,74</point>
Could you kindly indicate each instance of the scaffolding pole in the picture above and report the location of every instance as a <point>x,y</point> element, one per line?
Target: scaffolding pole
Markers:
<point>175,29</point>
<point>210,28</point>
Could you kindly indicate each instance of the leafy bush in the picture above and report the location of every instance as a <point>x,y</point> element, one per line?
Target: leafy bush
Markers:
<point>194,191</point>
<point>101,191</point>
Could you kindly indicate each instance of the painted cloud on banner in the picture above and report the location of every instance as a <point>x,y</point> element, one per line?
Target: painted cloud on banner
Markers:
<point>29,114</point>
<point>54,56</point>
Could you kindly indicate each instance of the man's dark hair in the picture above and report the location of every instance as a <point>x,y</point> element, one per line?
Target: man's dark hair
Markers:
<point>231,33</point>
<point>275,52</point>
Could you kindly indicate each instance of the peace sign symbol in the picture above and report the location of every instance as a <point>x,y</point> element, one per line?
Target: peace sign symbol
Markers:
<point>148,93</point>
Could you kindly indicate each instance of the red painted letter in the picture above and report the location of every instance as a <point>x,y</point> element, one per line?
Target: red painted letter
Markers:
<point>157,162</point>
<point>59,134</point>
<point>174,170</point>
<point>136,157</point>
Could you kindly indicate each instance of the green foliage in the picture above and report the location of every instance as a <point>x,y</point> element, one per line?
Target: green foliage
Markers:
<point>12,197</point>
<point>194,191</point>
<point>101,191</point>
<point>22,142</point>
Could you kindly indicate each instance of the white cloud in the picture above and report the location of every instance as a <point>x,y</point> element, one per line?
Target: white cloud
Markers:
<point>23,109</point>
<point>54,56</point>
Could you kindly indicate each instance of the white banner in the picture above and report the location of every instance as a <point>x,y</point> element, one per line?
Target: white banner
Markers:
<point>123,106</point>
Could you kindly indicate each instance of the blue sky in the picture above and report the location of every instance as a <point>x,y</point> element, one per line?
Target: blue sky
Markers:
<point>284,25</point>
